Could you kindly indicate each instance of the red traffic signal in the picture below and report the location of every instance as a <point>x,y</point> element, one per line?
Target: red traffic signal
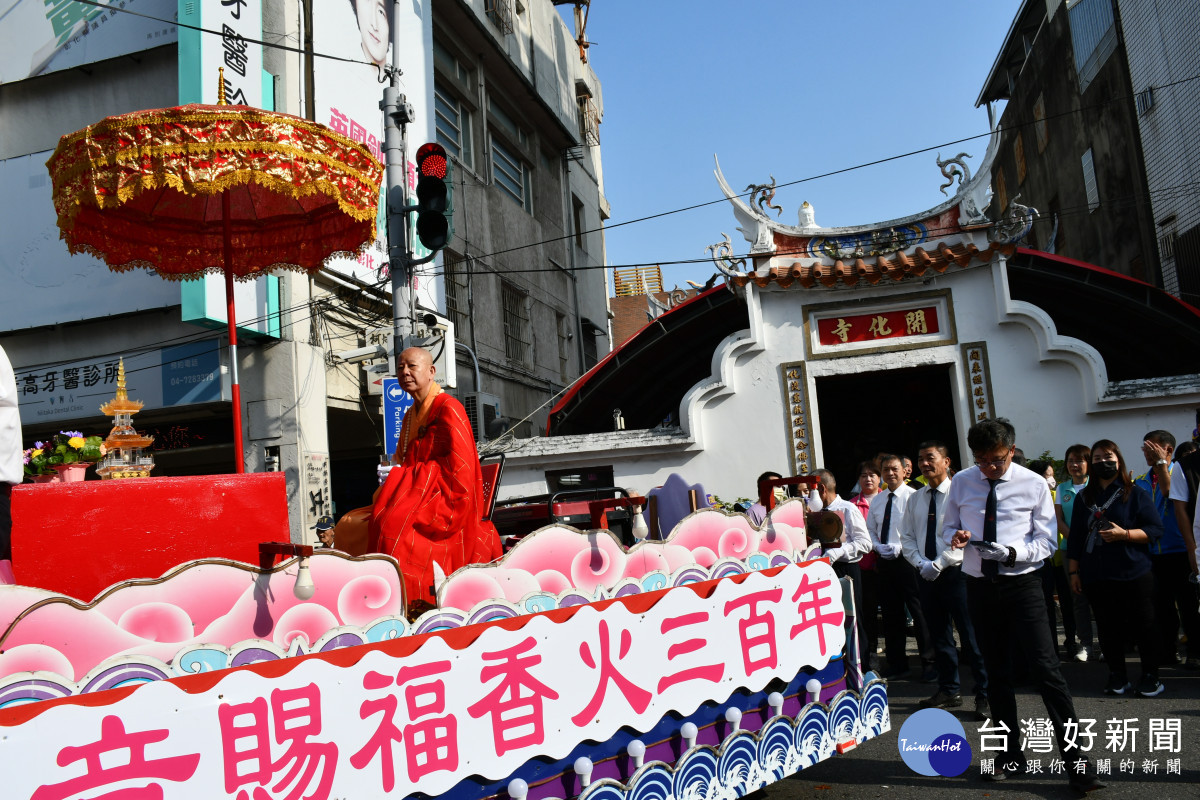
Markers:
<point>433,196</point>
<point>431,161</point>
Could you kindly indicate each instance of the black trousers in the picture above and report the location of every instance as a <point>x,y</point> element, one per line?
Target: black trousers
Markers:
<point>1175,603</point>
<point>1012,609</point>
<point>944,601</point>
<point>854,573</point>
<point>1125,613</point>
<point>897,592</point>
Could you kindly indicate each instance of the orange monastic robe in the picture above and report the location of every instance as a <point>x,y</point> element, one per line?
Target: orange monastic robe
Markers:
<point>430,507</point>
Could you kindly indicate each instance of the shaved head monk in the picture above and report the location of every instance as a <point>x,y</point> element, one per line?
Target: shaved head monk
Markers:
<point>430,507</point>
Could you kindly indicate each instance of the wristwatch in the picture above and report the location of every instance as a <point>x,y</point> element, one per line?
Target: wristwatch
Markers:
<point>1011,561</point>
<point>1160,462</point>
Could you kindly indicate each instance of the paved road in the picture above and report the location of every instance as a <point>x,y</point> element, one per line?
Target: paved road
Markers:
<point>876,770</point>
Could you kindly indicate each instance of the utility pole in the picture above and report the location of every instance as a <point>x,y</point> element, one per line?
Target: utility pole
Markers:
<point>397,113</point>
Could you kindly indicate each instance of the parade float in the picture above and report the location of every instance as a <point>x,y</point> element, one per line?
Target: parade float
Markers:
<point>154,644</point>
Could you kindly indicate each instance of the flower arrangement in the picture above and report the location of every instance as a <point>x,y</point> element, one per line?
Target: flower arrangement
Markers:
<point>65,447</point>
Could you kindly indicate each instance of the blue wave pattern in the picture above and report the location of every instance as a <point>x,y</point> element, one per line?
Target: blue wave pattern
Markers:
<point>747,761</point>
<point>133,669</point>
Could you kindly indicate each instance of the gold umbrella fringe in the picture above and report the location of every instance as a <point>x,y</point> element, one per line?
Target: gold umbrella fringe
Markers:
<point>68,197</point>
<point>69,172</point>
<point>199,113</point>
<point>148,266</point>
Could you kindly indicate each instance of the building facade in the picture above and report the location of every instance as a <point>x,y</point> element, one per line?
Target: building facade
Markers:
<point>504,83</point>
<point>1069,143</point>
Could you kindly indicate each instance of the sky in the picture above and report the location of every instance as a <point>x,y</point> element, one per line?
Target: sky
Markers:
<point>789,88</point>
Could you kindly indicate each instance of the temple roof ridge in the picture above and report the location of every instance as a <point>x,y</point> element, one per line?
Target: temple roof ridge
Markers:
<point>972,197</point>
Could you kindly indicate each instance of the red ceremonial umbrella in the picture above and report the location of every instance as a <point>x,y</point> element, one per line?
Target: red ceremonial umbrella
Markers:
<point>224,189</point>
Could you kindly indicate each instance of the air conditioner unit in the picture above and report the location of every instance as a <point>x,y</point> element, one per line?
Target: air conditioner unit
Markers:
<point>482,409</point>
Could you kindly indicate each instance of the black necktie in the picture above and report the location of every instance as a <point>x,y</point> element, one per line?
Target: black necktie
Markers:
<point>990,568</point>
<point>931,526</point>
<point>887,519</point>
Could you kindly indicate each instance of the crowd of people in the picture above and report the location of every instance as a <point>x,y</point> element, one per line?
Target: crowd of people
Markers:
<point>997,552</point>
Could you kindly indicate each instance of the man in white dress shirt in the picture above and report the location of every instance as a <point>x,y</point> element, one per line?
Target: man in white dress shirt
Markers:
<point>897,578</point>
<point>943,593</point>
<point>856,543</point>
<point>1002,515</point>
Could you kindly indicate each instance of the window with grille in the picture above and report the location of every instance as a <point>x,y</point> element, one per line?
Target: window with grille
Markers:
<point>518,341</point>
<point>511,175</point>
<point>452,125</point>
<point>457,297</point>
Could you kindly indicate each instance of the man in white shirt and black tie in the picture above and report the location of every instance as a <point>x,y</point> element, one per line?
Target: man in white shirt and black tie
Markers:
<point>897,579</point>
<point>1002,515</point>
<point>943,593</point>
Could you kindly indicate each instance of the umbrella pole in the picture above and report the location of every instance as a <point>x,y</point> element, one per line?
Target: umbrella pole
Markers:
<point>238,453</point>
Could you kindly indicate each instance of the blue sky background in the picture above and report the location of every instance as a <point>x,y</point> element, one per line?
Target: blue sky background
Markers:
<point>790,88</point>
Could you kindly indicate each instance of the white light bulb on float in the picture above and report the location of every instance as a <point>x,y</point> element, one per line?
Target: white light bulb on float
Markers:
<point>733,716</point>
<point>637,751</point>
<point>583,768</point>
<point>689,732</point>
<point>518,789</point>
<point>304,588</point>
<point>641,531</point>
<point>813,687</point>
<point>775,701</point>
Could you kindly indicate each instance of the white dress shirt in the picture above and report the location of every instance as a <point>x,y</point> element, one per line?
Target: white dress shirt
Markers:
<point>1025,518</point>
<point>916,524</point>
<point>856,542</point>
<point>891,550</point>
<point>11,469</point>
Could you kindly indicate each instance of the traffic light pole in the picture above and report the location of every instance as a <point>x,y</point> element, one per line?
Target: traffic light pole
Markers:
<point>396,114</point>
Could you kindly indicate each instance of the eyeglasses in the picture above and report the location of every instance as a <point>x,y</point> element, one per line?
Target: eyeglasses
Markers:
<point>993,464</point>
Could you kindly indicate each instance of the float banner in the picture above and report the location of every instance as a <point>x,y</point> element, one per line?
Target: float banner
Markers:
<point>423,713</point>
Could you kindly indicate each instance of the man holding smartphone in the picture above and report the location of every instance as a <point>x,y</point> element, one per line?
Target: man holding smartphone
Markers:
<point>1002,515</point>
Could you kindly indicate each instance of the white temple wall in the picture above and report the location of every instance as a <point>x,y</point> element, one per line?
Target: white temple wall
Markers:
<point>738,426</point>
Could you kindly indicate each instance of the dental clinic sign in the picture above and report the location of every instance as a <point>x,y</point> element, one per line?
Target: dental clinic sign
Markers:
<point>171,376</point>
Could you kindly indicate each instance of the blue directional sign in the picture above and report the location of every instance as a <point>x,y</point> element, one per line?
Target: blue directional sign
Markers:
<point>396,402</point>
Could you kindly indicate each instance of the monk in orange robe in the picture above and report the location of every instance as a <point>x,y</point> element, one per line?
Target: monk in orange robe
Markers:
<point>430,508</point>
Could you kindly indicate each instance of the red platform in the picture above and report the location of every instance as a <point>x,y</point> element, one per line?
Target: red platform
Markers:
<point>78,539</point>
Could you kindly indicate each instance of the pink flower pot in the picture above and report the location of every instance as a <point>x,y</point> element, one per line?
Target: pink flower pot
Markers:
<point>45,478</point>
<point>72,473</point>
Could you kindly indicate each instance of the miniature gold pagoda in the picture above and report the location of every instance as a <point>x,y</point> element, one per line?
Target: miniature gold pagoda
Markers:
<point>124,457</point>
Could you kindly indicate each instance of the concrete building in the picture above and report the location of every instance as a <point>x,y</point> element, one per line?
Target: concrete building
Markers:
<point>503,85</point>
<point>1100,134</point>
<point>1069,143</point>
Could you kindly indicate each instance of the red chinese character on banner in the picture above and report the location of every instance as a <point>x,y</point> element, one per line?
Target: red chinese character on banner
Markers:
<point>432,742</point>
<point>412,176</point>
<point>297,714</point>
<point>813,606</point>
<point>357,132</point>
<point>373,145</point>
<point>637,697</point>
<point>339,122</point>
<point>516,702</point>
<point>757,630</point>
<point>114,740</point>
<point>705,672</point>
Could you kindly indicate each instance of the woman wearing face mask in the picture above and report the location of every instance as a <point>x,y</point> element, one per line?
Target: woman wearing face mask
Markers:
<point>1113,523</point>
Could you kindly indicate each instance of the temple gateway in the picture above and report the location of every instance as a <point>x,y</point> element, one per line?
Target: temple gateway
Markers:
<point>824,346</point>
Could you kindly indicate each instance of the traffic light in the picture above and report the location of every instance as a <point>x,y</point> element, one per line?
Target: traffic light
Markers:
<point>433,196</point>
